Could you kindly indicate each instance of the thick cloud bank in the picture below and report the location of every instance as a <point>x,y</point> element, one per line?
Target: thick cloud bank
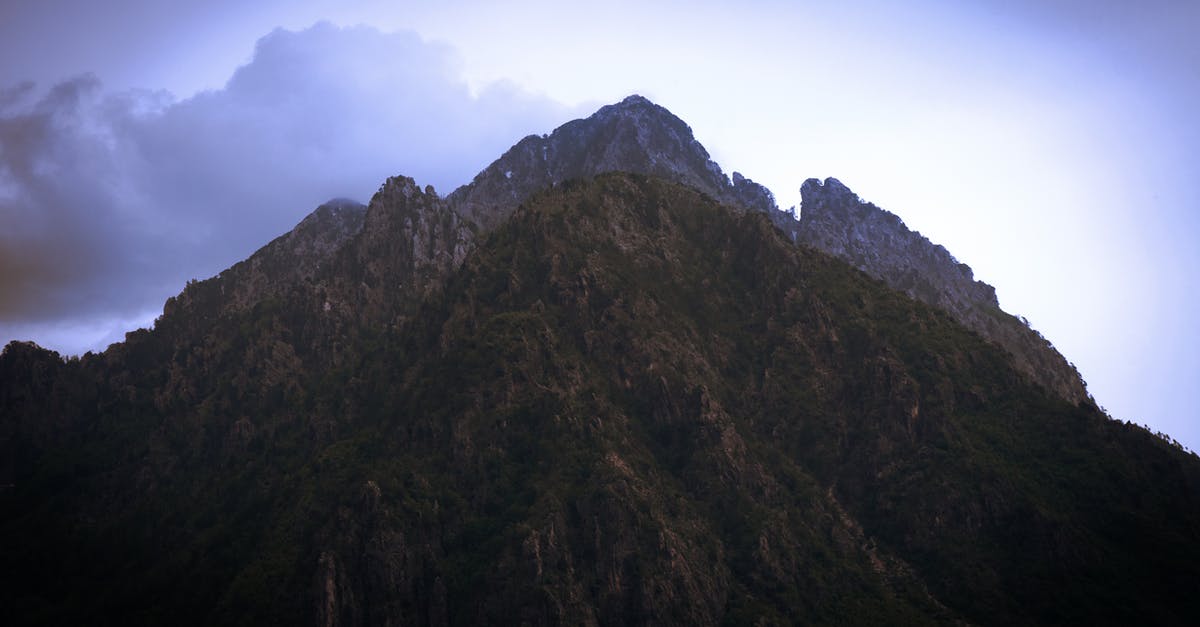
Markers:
<point>109,202</point>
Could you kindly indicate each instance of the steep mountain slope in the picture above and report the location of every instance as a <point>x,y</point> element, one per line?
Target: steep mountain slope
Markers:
<point>193,316</point>
<point>288,260</point>
<point>410,241</point>
<point>836,220</point>
<point>626,404</point>
<point>634,135</point>
<point>638,136</point>
<point>410,238</point>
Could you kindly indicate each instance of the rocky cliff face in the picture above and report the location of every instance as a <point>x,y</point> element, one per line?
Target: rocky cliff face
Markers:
<point>638,136</point>
<point>634,135</point>
<point>835,220</point>
<point>393,253</point>
<point>410,240</point>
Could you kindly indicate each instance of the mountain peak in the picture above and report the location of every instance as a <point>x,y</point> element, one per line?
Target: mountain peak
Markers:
<point>273,269</point>
<point>636,99</point>
<point>339,203</point>
<point>342,214</point>
<point>631,402</point>
<point>405,186</point>
<point>634,102</point>
<point>634,135</point>
<point>640,107</point>
<point>814,188</point>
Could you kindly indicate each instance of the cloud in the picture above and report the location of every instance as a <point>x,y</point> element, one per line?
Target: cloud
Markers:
<point>109,202</point>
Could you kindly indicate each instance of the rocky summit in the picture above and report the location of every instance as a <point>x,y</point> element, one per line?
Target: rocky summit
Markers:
<point>601,384</point>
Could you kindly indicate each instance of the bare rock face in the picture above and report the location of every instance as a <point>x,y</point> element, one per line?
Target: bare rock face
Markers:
<point>411,237</point>
<point>410,240</point>
<point>755,197</point>
<point>634,135</point>
<point>835,220</point>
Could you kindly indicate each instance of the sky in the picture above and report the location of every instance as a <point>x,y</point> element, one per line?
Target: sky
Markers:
<point>1051,145</point>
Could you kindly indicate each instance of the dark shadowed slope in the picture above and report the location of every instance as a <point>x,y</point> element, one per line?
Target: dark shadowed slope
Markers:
<point>627,404</point>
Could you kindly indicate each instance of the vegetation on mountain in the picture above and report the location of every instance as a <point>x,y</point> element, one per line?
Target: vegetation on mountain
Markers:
<point>627,403</point>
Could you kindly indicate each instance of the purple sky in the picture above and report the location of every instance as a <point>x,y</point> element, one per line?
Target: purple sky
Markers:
<point>1051,145</point>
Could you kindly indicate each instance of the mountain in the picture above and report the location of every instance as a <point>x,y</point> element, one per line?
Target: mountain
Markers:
<point>599,388</point>
<point>639,136</point>
<point>289,259</point>
<point>634,135</point>
<point>837,221</point>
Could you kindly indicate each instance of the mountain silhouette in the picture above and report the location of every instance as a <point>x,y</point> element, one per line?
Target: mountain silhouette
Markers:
<point>603,383</point>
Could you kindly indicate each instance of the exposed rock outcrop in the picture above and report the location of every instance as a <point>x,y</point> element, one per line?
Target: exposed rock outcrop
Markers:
<point>409,241</point>
<point>835,220</point>
<point>634,135</point>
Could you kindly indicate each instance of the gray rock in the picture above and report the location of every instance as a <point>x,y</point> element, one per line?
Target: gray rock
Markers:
<point>835,220</point>
<point>634,135</point>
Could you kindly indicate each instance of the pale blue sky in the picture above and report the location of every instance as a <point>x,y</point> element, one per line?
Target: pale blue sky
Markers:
<point>1053,146</point>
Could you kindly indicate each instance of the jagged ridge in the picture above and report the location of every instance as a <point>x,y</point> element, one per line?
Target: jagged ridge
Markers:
<point>627,404</point>
<point>634,135</point>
